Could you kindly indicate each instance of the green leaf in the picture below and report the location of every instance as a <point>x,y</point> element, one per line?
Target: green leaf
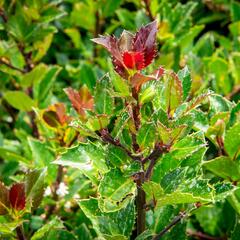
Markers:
<point>152,190</point>
<point>234,115</point>
<point>9,155</point>
<point>120,123</point>
<point>43,89</point>
<point>44,231</point>
<point>34,187</point>
<point>115,186</point>
<point>224,167</point>
<point>35,76</point>
<point>185,76</point>
<point>146,235</point>
<point>75,36</point>
<point>178,197</point>
<point>9,227</point>
<point>147,93</point>
<point>87,76</point>
<point>120,85</point>
<point>110,6</point>
<point>80,18</point>
<point>98,122</point>
<point>219,68</point>
<point>180,151</point>
<point>89,158</point>
<point>19,100</point>
<point>114,223</point>
<point>146,135</point>
<point>218,104</point>
<point>117,156</point>
<point>162,216</point>
<point>170,135</point>
<point>43,157</point>
<point>232,141</point>
<point>60,234</point>
<point>103,100</point>
<point>235,9</point>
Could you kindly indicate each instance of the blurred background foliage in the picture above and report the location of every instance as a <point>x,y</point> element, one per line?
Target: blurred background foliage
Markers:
<point>45,47</point>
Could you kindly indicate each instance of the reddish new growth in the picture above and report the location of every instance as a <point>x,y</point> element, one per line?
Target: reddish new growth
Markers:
<point>131,51</point>
<point>81,100</point>
<point>17,196</point>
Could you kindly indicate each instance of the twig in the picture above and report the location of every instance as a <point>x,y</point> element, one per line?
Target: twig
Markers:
<point>2,61</point>
<point>157,152</point>
<point>234,92</point>
<point>136,119</point>
<point>106,137</point>
<point>176,220</point>
<point>140,204</point>
<point>3,15</point>
<point>221,150</point>
<point>97,31</point>
<point>147,5</point>
<point>20,233</point>
<point>203,236</point>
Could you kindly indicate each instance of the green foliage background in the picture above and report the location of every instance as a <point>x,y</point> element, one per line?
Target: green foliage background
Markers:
<point>45,47</point>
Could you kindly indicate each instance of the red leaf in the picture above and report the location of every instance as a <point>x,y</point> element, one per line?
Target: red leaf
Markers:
<point>145,41</point>
<point>119,68</point>
<point>111,44</point>
<point>133,60</point>
<point>61,113</point>
<point>17,196</point>
<point>139,79</point>
<point>125,41</point>
<point>80,100</point>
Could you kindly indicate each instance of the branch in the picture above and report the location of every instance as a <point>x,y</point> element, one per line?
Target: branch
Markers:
<point>3,15</point>
<point>147,6</point>
<point>156,153</point>
<point>200,235</point>
<point>136,119</point>
<point>176,220</point>
<point>2,61</point>
<point>234,92</point>
<point>107,138</point>
<point>20,233</point>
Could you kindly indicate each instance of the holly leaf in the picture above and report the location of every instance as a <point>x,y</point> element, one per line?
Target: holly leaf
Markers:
<point>104,103</point>
<point>35,187</point>
<point>117,224</point>
<point>224,167</point>
<point>146,135</point>
<point>185,77</point>
<point>232,141</point>
<point>115,186</point>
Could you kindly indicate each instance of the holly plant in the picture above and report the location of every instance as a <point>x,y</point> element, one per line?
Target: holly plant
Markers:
<point>147,157</point>
<point>145,141</point>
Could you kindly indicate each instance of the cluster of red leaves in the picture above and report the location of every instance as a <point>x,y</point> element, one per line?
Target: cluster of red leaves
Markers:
<point>131,51</point>
<point>14,197</point>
